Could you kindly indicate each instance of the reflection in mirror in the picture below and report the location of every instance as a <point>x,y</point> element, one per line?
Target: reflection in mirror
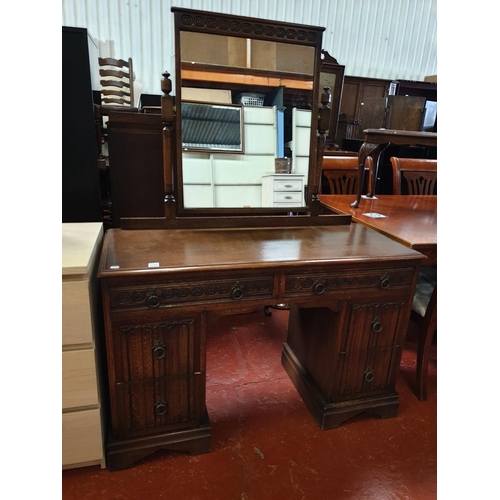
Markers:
<point>273,82</point>
<point>211,127</point>
<point>277,119</point>
<point>332,76</point>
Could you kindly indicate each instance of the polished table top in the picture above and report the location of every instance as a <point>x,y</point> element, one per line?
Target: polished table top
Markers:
<point>409,219</point>
<point>169,251</point>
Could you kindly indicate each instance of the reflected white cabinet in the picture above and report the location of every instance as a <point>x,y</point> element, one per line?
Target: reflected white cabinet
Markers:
<point>228,180</point>
<point>283,190</point>
<point>301,140</point>
<point>82,441</point>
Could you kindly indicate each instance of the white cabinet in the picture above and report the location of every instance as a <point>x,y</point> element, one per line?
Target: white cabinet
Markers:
<point>82,441</point>
<point>283,190</point>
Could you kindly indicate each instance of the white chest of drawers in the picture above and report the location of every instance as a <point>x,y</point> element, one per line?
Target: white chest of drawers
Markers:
<point>82,442</point>
<point>283,190</point>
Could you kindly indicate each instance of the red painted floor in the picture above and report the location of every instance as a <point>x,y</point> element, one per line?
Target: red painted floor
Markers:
<point>265,443</point>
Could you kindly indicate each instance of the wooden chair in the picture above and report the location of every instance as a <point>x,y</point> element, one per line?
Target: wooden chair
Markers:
<point>424,314</point>
<point>117,82</point>
<point>342,173</point>
<point>414,176</point>
<point>117,93</point>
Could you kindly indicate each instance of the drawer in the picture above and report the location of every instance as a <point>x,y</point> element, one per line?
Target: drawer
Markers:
<point>153,296</point>
<point>307,284</point>
<point>79,381</point>
<point>374,325</point>
<point>288,185</point>
<point>288,205</point>
<point>147,349</point>
<point>76,315</point>
<point>152,406</point>
<point>81,437</point>
<point>288,197</point>
<point>366,373</point>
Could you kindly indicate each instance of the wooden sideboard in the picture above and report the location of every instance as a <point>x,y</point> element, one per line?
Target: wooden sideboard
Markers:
<point>349,288</point>
<point>82,440</point>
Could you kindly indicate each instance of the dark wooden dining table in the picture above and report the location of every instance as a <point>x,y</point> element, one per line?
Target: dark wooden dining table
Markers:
<point>376,140</point>
<point>409,219</point>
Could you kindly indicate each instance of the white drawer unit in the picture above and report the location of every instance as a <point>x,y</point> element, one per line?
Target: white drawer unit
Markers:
<point>283,190</point>
<point>82,328</point>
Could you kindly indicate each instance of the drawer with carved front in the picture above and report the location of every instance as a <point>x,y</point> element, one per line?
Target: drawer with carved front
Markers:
<point>365,373</point>
<point>178,293</point>
<point>374,325</point>
<point>309,284</point>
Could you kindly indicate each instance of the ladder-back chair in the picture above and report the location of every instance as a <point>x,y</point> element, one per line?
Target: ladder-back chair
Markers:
<point>117,81</point>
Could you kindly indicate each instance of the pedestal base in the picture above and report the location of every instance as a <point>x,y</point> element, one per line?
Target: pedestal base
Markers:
<point>122,454</point>
<point>330,415</point>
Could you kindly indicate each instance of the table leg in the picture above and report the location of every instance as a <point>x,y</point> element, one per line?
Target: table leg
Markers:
<point>426,333</point>
<point>367,149</point>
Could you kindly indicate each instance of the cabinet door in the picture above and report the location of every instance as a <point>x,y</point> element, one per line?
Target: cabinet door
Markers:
<point>371,348</point>
<point>158,376</point>
<point>355,91</point>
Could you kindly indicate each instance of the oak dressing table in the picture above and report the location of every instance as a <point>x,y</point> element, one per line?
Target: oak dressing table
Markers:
<point>165,280</point>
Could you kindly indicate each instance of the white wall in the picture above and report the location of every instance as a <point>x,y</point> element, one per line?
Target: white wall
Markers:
<point>389,39</point>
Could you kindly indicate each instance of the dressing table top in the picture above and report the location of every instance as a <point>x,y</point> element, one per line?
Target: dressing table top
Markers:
<point>166,251</point>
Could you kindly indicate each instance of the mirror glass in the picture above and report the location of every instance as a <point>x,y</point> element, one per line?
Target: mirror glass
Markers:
<point>266,89</point>
<point>211,127</point>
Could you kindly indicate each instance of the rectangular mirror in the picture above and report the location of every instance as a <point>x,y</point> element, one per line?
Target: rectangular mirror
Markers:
<point>269,71</point>
<point>212,127</point>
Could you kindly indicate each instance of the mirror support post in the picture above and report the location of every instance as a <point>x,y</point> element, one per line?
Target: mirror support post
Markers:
<point>167,117</point>
<point>323,125</point>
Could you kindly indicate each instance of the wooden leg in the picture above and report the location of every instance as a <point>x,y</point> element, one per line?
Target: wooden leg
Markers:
<point>367,149</point>
<point>373,173</point>
<point>426,333</point>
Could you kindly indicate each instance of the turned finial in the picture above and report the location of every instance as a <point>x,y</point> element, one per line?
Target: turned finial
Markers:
<point>166,83</point>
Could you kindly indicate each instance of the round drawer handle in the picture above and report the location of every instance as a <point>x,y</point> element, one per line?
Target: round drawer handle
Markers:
<point>384,282</point>
<point>237,293</point>
<point>376,325</point>
<point>369,375</point>
<point>319,289</point>
<point>153,300</point>
<point>160,408</point>
<point>288,185</point>
<point>288,197</point>
<point>159,351</point>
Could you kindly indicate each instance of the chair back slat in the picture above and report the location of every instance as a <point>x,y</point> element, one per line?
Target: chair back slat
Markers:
<point>120,75</point>
<point>110,61</point>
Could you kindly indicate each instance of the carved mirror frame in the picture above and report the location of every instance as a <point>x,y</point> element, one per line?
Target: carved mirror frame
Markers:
<point>255,29</point>
<point>175,216</point>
